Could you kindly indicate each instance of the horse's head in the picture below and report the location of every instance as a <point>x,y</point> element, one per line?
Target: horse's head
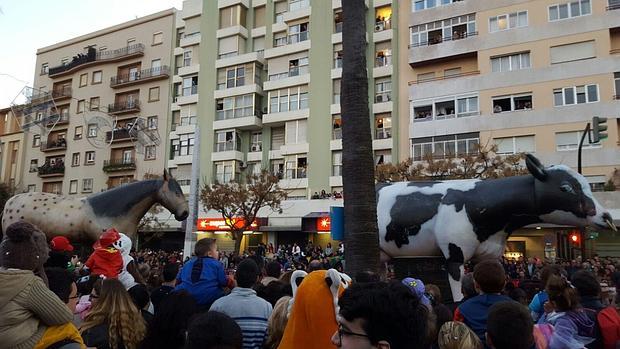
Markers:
<point>171,197</point>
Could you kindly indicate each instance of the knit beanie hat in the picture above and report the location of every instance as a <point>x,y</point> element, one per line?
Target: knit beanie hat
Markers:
<point>24,247</point>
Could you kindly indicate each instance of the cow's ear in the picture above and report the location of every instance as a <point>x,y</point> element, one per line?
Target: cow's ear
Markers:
<point>535,167</point>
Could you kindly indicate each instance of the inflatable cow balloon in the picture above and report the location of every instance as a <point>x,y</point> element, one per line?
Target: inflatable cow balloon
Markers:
<point>471,219</point>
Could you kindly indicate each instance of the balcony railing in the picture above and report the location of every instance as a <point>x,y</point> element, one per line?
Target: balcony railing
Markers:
<point>439,39</point>
<point>337,133</point>
<point>296,173</point>
<point>59,144</point>
<point>62,92</point>
<point>613,5</point>
<point>48,170</point>
<point>296,5</point>
<point>338,27</point>
<point>291,39</point>
<point>383,25</point>
<point>120,134</point>
<point>383,61</point>
<point>57,93</point>
<point>228,146</point>
<point>119,165</point>
<point>443,77</point>
<point>189,91</point>
<point>94,56</point>
<point>47,120</point>
<point>143,75</point>
<point>124,107</point>
<point>237,113</point>
<point>383,133</point>
<point>383,97</point>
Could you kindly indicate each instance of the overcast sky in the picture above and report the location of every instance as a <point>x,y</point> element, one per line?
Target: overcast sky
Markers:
<point>26,25</point>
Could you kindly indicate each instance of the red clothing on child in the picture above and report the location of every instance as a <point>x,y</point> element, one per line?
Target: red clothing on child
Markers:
<point>105,261</point>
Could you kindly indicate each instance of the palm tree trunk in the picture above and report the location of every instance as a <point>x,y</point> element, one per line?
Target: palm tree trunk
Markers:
<point>360,202</point>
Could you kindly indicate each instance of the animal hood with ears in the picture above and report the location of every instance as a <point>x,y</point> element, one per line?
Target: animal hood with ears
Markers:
<point>123,244</point>
<point>312,320</point>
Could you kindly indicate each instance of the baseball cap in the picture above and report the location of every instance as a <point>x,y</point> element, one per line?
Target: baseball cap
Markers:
<point>61,243</point>
<point>107,239</point>
<point>417,288</point>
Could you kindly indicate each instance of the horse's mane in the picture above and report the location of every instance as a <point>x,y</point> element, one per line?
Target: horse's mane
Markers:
<point>120,200</point>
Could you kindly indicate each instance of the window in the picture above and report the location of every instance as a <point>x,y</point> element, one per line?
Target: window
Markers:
<point>45,67</point>
<point>617,85</point>
<point>190,86</point>
<point>569,10</point>
<point>224,171</point>
<point>296,131</point>
<point>97,77</point>
<point>256,141</point>
<point>338,21</point>
<point>514,145</point>
<point>153,94</point>
<point>383,54</point>
<point>230,46</point>
<point>336,127</point>
<point>383,126</point>
<point>337,163</point>
<point>234,107</point>
<point>510,62</point>
<point>467,106</point>
<point>383,90</point>
<point>575,95</point>
<point>227,141</point>
<point>437,32</point>
<point>259,16</point>
<point>94,103</point>
<point>296,5</point>
<point>383,157</point>
<point>232,15</point>
<point>236,76</point>
<point>447,73</point>
<point>158,38</point>
<point>92,130</point>
<point>296,167</point>
<point>73,186</point>
<point>336,85</point>
<point>80,106</point>
<point>298,66</point>
<point>259,43</point>
<point>83,80</point>
<point>188,115</point>
<point>182,146</point>
<point>34,165</point>
<point>294,98</point>
<point>32,188</point>
<point>383,18</point>
<point>508,21</point>
<point>131,41</point>
<point>277,137</point>
<point>338,56</point>
<point>297,33</point>
<point>75,159</point>
<point>149,152</point>
<point>597,183</point>
<point>512,103</point>
<point>87,185</point>
<point>151,123</point>
<point>103,48</point>
<point>36,141</point>
<point>572,52</point>
<point>441,147</point>
<point>570,141</point>
<point>445,108</point>
<point>254,168</point>
<point>426,76</point>
<point>419,5</point>
<point>187,58</point>
<point>77,132</point>
<point>279,9</point>
<point>90,158</point>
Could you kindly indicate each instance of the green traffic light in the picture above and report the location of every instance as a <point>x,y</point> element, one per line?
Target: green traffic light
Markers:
<point>599,126</point>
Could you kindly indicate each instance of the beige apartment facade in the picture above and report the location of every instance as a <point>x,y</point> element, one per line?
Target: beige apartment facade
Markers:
<point>107,121</point>
<point>11,149</point>
<point>526,76</point>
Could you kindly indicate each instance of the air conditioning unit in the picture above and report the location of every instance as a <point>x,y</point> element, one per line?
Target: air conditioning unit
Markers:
<point>379,99</point>
<point>255,147</point>
<point>379,27</point>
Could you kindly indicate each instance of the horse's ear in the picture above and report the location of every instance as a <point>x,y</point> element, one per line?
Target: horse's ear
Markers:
<point>166,175</point>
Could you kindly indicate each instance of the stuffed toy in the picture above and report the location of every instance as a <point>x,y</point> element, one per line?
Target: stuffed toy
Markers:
<point>312,320</point>
<point>106,260</point>
<point>123,244</point>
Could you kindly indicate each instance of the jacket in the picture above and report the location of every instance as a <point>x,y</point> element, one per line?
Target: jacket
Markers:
<point>572,330</point>
<point>105,261</point>
<point>474,312</point>
<point>249,311</point>
<point>27,308</point>
<point>204,279</point>
<point>98,337</point>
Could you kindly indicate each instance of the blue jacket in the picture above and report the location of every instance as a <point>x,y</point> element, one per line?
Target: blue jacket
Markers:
<point>204,279</point>
<point>474,312</point>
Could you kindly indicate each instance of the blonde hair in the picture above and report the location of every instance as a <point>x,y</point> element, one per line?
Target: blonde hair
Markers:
<point>116,309</point>
<point>456,335</point>
<point>277,323</point>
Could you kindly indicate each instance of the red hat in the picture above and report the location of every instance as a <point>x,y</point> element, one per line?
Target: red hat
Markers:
<point>61,243</point>
<point>107,239</point>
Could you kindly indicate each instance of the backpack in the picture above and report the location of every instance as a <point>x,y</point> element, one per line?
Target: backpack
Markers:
<point>609,325</point>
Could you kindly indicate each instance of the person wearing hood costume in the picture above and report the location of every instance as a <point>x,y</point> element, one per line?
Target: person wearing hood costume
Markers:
<point>129,275</point>
<point>106,260</point>
<point>313,309</point>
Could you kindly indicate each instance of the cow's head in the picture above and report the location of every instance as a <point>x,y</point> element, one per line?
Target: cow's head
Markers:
<point>563,196</point>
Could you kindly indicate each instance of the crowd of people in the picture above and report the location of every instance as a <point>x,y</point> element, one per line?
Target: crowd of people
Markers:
<point>286,297</point>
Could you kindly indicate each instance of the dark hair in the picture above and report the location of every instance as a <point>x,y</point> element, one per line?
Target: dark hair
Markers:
<point>60,281</point>
<point>518,295</point>
<point>552,269</point>
<point>314,265</point>
<point>170,272</point>
<point>260,262</point>
<point>167,330</point>
<point>203,246</point>
<point>213,330</point>
<point>389,311</point>
<point>562,294</point>
<point>273,291</point>
<point>140,296</point>
<point>467,285</point>
<point>367,276</point>
<point>247,273</point>
<point>85,284</point>
<point>274,269</point>
<point>586,284</point>
<point>510,326</point>
<point>490,276</point>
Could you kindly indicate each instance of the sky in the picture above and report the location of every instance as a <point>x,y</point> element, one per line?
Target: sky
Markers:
<point>26,25</point>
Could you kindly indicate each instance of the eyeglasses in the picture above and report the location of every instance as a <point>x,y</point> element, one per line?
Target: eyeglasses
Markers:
<point>343,332</point>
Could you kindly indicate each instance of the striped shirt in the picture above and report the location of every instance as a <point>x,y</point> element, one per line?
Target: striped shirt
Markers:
<point>249,311</point>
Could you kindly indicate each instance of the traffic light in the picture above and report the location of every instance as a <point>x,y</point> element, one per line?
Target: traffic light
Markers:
<point>599,129</point>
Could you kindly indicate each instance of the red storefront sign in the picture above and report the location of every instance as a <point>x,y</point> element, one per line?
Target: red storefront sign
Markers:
<point>220,224</point>
<point>323,224</point>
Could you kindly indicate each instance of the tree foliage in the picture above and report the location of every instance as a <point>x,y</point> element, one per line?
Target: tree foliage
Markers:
<point>483,164</point>
<point>239,203</point>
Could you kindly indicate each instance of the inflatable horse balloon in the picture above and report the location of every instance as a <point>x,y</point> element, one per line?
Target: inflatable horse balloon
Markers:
<point>86,218</point>
<point>471,219</point>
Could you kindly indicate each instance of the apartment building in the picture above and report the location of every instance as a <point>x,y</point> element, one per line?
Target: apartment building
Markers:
<point>261,78</point>
<point>100,114</point>
<point>523,75</point>
<point>11,149</point>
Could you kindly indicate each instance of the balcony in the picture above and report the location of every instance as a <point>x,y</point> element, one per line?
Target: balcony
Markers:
<point>63,92</point>
<point>227,146</point>
<point>121,134</point>
<point>55,120</point>
<point>48,170</point>
<point>244,119</point>
<point>93,57</point>
<point>438,48</point>
<point>60,144</point>
<point>139,77</point>
<point>124,107</point>
<point>58,93</point>
<point>115,165</point>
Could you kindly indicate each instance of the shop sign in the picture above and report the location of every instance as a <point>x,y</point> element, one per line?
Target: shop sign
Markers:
<point>323,224</point>
<point>221,224</point>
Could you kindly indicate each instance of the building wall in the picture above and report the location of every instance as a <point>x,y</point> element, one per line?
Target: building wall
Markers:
<point>11,149</point>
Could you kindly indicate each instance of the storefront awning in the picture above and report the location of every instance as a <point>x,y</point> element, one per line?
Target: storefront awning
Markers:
<point>269,228</point>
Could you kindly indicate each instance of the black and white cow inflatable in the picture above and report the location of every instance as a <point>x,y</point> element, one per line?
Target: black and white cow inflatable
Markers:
<point>465,219</point>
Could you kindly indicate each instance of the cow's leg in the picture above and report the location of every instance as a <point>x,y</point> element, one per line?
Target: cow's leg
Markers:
<point>456,257</point>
